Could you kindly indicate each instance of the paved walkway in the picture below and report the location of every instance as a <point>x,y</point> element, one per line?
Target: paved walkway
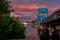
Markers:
<point>31,33</point>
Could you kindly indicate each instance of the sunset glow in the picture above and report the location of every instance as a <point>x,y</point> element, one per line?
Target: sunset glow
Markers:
<point>30,7</point>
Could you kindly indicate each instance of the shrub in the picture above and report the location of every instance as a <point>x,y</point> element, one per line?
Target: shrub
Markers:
<point>10,28</point>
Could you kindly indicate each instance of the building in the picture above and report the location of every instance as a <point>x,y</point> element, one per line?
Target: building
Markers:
<point>53,20</point>
<point>42,14</point>
<point>52,23</point>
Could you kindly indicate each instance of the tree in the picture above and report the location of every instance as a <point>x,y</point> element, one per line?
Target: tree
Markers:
<point>4,7</point>
<point>11,28</point>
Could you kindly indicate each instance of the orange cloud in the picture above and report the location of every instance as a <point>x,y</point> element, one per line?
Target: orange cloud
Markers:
<point>29,6</point>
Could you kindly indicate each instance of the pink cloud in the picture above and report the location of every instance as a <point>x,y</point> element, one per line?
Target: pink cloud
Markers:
<point>21,7</point>
<point>57,8</point>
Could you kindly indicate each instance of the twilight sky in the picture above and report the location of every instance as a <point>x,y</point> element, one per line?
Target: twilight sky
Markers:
<point>27,9</point>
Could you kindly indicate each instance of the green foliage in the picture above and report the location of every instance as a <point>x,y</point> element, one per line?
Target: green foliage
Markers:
<point>4,7</point>
<point>10,28</point>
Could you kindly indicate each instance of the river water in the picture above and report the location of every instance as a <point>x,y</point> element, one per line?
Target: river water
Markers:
<point>31,33</point>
